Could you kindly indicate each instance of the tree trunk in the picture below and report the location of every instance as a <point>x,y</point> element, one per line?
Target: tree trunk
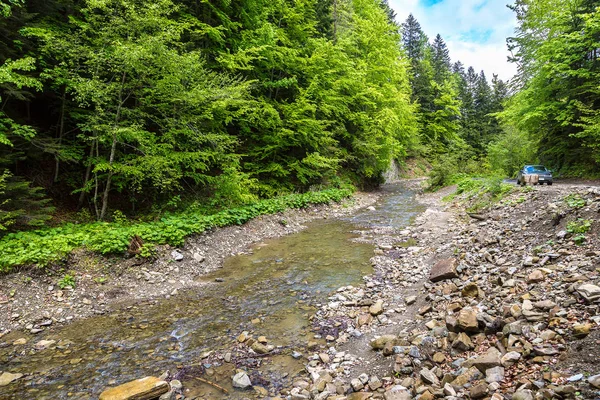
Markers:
<point>88,171</point>
<point>113,150</point>
<point>61,130</point>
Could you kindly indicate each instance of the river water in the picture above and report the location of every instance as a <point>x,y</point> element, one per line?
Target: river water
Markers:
<point>271,292</point>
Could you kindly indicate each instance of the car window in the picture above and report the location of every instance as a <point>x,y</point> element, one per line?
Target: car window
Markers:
<point>536,168</point>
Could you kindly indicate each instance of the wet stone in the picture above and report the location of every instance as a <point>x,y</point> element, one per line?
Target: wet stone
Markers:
<point>7,377</point>
<point>241,380</point>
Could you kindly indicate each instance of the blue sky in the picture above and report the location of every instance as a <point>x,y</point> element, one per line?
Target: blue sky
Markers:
<point>475,30</point>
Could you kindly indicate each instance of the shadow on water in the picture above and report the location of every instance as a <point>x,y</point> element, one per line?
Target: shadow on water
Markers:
<point>272,292</point>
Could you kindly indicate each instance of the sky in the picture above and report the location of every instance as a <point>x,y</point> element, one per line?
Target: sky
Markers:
<point>474,30</point>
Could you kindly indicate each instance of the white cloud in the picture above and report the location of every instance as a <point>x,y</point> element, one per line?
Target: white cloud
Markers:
<point>474,30</point>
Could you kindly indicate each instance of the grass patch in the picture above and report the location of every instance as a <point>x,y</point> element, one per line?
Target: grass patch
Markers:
<point>42,247</point>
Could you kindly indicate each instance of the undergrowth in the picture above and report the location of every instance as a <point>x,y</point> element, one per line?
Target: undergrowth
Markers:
<point>44,246</point>
<point>480,193</point>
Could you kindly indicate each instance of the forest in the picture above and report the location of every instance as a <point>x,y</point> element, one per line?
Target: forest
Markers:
<point>114,110</point>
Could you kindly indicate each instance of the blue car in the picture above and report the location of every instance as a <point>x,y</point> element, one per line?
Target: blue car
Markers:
<point>544,175</point>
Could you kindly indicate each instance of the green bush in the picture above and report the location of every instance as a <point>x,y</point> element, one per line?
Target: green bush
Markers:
<point>579,226</point>
<point>481,192</point>
<point>510,152</point>
<point>41,247</point>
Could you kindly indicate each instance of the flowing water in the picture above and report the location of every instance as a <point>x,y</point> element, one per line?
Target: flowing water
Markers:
<point>272,291</point>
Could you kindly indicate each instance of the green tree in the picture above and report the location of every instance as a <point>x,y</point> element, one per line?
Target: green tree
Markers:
<point>555,49</point>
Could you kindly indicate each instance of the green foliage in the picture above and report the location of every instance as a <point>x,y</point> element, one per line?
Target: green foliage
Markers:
<point>66,281</point>
<point>579,226</point>
<point>510,151</point>
<point>148,250</point>
<point>555,47</point>
<point>21,205</point>
<point>575,200</point>
<point>480,193</point>
<point>42,247</point>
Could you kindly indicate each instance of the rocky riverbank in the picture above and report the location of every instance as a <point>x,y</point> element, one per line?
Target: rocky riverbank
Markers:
<point>501,306</point>
<point>34,301</point>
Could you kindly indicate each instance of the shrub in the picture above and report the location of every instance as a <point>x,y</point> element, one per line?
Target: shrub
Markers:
<point>44,246</point>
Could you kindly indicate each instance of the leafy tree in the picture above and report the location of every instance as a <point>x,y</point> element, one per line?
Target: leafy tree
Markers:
<point>157,114</point>
<point>555,49</point>
<point>510,151</point>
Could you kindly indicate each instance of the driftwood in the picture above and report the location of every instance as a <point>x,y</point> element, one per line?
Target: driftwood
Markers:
<point>212,384</point>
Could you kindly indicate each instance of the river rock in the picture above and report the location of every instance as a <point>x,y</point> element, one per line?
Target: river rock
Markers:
<point>510,358</point>
<point>467,320</point>
<point>478,391</point>
<point>488,360</point>
<point>177,256</point>
<point>241,380</point>
<point>259,348</point>
<point>429,377</point>
<point>444,269</point>
<point>462,342</point>
<point>581,330</point>
<point>364,319</point>
<point>376,308</point>
<point>141,389</point>
<point>495,374</point>
<point>522,395</point>
<point>397,392</point>
<point>359,396</point>
<point>535,276</point>
<point>44,344</point>
<point>589,292</point>
<point>7,378</point>
<point>594,381</point>
<point>471,290</point>
<point>380,342</point>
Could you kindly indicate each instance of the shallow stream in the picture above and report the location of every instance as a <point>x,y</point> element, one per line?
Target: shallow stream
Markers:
<point>271,291</point>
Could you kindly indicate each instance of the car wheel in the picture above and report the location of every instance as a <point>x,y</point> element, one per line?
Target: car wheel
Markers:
<point>549,183</point>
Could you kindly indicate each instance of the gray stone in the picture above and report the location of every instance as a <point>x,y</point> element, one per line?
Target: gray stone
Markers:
<point>488,360</point>
<point>429,377</point>
<point>356,384</point>
<point>241,380</point>
<point>522,395</point>
<point>397,392</point>
<point>589,292</point>
<point>495,374</point>
<point>176,255</point>
<point>510,358</point>
<point>594,381</point>
<point>444,269</point>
